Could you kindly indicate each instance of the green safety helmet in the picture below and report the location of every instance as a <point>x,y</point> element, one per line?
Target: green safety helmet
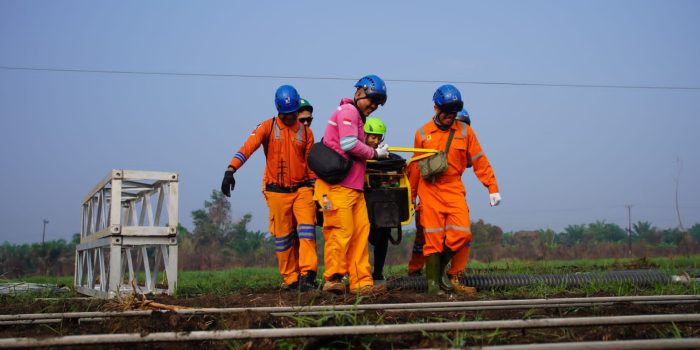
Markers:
<point>375,126</point>
<point>304,104</point>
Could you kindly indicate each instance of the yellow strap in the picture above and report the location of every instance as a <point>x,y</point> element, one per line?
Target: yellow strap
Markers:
<point>411,149</point>
<point>428,152</point>
<point>417,158</point>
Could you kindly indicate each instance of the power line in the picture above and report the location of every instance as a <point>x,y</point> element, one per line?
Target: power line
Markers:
<point>586,208</point>
<point>263,76</point>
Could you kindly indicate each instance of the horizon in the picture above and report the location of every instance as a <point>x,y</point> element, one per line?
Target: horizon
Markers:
<point>583,108</point>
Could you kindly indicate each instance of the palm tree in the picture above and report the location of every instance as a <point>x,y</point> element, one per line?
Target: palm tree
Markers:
<point>572,235</point>
<point>646,232</point>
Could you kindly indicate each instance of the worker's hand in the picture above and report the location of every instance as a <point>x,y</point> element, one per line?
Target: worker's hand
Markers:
<point>383,151</point>
<point>228,184</point>
<point>495,199</point>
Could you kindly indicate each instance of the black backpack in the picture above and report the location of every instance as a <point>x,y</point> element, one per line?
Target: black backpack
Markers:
<point>327,164</point>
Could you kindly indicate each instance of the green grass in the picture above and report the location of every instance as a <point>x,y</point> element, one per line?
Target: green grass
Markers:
<point>671,264</point>
<point>195,282</point>
<point>227,281</point>
<point>668,264</point>
<point>234,280</point>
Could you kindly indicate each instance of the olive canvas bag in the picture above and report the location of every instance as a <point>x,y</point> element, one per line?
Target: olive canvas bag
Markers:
<point>432,167</point>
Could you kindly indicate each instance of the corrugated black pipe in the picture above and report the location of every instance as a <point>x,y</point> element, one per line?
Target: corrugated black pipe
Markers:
<point>636,277</point>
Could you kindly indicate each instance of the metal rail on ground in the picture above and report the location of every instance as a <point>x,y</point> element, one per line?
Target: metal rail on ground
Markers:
<point>640,344</point>
<point>398,307</point>
<point>127,338</point>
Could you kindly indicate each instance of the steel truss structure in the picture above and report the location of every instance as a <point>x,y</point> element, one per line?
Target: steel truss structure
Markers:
<point>128,235</point>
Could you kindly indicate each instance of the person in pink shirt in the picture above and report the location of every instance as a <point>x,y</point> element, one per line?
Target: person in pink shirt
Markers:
<point>345,221</point>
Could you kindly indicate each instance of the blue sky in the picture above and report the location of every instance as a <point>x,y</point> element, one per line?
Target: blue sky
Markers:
<point>562,155</point>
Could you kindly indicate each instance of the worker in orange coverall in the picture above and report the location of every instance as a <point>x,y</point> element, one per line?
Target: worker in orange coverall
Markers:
<point>415,265</point>
<point>287,187</point>
<point>444,214</point>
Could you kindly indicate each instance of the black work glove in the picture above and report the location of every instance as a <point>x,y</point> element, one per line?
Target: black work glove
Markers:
<point>228,184</point>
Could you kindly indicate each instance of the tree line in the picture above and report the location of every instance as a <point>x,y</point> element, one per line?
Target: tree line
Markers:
<point>218,242</point>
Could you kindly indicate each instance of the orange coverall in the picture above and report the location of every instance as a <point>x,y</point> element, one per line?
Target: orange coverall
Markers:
<point>415,265</point>
<point>444,214</point>
<point>288,192</point>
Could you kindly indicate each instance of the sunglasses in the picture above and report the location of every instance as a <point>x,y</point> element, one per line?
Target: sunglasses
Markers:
<point>306,120</point>
<point>452,107</point>
<point>378,99</point>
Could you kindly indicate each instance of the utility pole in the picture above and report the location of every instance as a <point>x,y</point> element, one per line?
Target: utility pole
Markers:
<point>43,232</point>
<point>629,229</point>
<point>683,232</point>
<point>676,179</point>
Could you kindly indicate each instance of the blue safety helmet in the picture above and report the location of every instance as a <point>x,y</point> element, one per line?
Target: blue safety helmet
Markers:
<point>287,99</point>
<point>463,116</point>
<point>375,88</point>
<point>448,99</point>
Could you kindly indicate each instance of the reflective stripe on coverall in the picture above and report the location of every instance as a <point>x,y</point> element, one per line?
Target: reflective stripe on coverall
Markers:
<point>444,211</point>
<point>292,210</point>
<point>286,149</point>
<point>295,247</point>
<point>415,265</point>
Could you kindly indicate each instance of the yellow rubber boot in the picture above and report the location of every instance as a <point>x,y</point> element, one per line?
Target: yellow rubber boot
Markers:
<point>460,288</point>
<point>334,285</point>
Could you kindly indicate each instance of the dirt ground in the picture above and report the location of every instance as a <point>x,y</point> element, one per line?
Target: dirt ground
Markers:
<point>169,321</point>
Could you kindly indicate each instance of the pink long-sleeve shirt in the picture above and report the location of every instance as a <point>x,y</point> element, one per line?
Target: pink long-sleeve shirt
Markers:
<point>345,134</point>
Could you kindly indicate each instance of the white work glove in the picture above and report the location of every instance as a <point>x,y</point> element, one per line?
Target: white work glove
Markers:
<point>495,199</point>
<point>383,151</point>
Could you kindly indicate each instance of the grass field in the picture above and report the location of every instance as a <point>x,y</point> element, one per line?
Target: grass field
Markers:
<point>236,279</point>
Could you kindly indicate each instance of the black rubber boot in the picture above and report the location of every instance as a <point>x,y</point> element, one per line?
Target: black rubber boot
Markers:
<point>381,245</point>
<point>307,281</point>
<point>292,287</point>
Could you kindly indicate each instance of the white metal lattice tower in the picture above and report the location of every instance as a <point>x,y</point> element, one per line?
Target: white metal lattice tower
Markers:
<point>128,235</point>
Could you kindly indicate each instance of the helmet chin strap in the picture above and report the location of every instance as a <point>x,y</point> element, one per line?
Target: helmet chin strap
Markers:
<point>354,103</point>
<point>441,126</point>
